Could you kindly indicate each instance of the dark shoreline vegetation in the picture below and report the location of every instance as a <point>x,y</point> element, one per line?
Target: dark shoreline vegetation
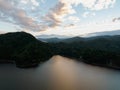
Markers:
<point>25,50</point>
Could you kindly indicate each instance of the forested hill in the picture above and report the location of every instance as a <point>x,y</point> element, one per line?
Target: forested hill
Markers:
<point>26,51</point>
<point>102,50</point>
<point>23,49</point>
<point>98,50</point>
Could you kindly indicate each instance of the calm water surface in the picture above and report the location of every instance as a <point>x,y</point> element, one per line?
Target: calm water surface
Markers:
<point>59,73</point>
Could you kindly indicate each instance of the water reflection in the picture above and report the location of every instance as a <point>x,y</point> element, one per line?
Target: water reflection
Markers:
<point>59,73</point>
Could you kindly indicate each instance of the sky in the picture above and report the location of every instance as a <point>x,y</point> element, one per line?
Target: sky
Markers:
<point>59,17</point>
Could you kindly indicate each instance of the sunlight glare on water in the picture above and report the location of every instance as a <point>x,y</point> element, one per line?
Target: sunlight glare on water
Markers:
<point>59,73</point>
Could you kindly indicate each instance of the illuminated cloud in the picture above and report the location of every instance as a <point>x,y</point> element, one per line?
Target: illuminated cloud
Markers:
<point>1,32</point>
<point>65,7</point>
<point>17,16</point>
<point>74,19</point>
<point>56,14</point>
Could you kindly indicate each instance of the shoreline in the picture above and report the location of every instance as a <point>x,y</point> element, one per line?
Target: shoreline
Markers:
<point>34,65</point>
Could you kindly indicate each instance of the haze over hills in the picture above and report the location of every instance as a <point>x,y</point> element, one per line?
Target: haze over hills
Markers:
<point>110,33</point>
<point>53,36</point>
<point>78,39</point>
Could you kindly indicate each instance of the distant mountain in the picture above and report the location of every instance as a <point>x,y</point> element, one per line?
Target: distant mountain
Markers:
<point>57,40</point>
<point>52,40</point>
<point>90,36</point>
<point>77,39</point>
<point>110,33</point>
<point>52,36</point>
<point>74,39</point>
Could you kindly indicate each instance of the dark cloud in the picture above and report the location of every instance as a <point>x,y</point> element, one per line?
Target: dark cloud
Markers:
<point>116,19</point>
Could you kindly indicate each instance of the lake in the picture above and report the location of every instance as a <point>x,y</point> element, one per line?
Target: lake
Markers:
<point>59,73</point>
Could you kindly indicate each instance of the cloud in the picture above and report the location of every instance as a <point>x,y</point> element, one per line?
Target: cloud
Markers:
<point>72,21</point>
<point>77,30</point>
<point>97,4</point>
<point>17,16</point>
<point>2,32</point>
<point>56,14</point>
<point>104,4</point>
<point>88,14</point>
<point>33,2</point>
<point>64,8</point>
<point>74,18</point>
<point>20,12</point>
<point>90,4</point>
<point>116,19</point>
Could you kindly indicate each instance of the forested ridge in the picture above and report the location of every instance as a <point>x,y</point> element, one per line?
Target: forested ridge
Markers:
<point>23,49</point>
